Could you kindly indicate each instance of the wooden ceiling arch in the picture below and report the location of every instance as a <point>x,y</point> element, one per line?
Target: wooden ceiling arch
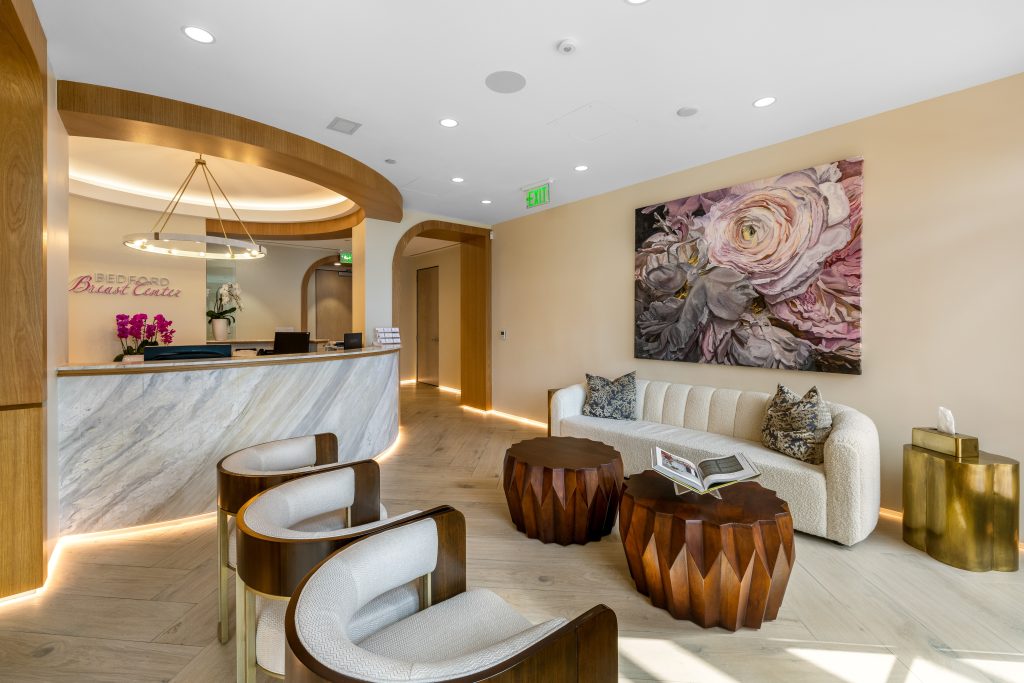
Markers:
<point>336,228</point>
<point>100,112</point>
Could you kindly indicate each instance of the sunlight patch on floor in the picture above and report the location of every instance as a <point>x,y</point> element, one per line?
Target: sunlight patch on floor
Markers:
<point>923,670</point>
<point>664,661</point>
<point>849,666</point>
<point>1006,666</point>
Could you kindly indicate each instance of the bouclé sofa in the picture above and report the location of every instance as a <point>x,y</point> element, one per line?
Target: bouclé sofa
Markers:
<point>838,499</point>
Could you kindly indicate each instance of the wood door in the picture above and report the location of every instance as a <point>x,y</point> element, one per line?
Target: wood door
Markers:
<point>333,305</point>
<point>428,341</point>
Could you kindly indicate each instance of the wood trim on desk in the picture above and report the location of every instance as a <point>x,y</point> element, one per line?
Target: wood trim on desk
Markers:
<point>215,364</point>
<point>113,114</point>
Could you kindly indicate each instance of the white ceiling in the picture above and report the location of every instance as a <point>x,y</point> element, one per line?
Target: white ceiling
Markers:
<point>398,66</point>
<point>147,176</point>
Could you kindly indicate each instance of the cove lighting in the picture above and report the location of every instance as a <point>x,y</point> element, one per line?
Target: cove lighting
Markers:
<point>200,35</point>
<point>581,167</point>
<point>764,102</point>
<point>448,123</point>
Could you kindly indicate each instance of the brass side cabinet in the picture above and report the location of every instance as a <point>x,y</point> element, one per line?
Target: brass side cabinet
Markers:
<point>961,505</point>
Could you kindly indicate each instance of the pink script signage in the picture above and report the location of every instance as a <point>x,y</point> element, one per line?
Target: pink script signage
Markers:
<point>125,285</point>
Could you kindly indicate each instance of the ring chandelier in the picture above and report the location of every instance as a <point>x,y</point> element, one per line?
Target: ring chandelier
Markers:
<point>196,246</point>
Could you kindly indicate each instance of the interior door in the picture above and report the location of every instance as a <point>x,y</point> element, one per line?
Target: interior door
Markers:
<point>333,305</point>
<point>427,326</point>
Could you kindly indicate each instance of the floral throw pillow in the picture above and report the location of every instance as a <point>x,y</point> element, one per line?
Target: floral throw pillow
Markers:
<point>611,398</point>
<point>797,427</point>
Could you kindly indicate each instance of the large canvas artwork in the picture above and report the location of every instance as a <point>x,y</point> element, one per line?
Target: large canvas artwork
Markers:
<point>764,274</point>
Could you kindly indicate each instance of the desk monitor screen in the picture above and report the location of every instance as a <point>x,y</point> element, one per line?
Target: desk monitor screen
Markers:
<point>353,340</point>
<point>291,342</point>
<point>186,352</point>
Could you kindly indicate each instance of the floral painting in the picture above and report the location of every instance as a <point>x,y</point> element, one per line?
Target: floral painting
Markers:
<point>764,274</point>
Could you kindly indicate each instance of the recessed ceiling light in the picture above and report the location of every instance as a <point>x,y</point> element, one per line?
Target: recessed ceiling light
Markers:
<point>485,201</point>
<point>200,35</point>
<point>448,123</point>
<point>685,112</point>
<point>764,102</point>
<point>581,167</point>
<point>337,263</point>
<point>635,2</point>
<point>390,161</point>
<point>457,179</point>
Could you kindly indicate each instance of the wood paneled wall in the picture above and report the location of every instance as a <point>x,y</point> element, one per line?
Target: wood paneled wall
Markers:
<point>22,298</point>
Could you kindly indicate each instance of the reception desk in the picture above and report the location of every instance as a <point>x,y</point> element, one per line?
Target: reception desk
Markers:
<point>139,443</point>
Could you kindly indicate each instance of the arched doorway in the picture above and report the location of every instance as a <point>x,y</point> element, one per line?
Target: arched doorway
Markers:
<point>475,301</point>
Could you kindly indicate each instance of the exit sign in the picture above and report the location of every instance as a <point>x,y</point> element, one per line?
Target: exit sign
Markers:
<point>345,257</point>
<point>538,196</point>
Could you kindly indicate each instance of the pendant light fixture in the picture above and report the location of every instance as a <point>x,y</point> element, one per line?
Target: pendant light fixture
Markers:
<point>196,246</point>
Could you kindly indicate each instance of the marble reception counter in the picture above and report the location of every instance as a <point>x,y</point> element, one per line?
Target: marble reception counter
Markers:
<point>139,443</point>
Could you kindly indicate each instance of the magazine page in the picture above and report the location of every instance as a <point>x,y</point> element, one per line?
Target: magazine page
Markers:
<point>727,469</point>
<point>679,469</point>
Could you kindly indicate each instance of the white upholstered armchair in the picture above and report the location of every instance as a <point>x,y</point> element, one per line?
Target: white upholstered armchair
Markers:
<point>243,474</point>
<point>457,635</point>
<point>282,533</point>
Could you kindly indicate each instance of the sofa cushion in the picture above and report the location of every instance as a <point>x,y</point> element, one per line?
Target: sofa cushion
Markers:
<point>614,399</point>
<point>799,483</point>
<point>797,427</point>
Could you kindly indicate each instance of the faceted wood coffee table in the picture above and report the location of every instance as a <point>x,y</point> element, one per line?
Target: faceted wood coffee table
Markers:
<point>563,489</point>
<point>715,562</point>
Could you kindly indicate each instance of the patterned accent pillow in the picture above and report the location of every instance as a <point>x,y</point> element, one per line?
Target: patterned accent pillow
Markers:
<point>611,398</point>
<point>797,427</point>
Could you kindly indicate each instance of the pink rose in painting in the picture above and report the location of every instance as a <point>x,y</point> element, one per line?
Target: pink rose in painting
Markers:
<point>778,236</point>
<point>828,313</point>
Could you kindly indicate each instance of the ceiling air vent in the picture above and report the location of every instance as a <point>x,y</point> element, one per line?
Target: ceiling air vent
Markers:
<point>344,125</point>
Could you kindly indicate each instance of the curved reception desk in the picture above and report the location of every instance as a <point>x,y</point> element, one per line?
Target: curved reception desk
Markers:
<point>139,443</point>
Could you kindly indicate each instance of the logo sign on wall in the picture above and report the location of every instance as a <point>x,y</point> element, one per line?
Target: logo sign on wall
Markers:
<point>123,285</point>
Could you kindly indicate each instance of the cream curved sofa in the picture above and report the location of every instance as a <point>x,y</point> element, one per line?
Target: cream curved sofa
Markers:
<point>838,499</point>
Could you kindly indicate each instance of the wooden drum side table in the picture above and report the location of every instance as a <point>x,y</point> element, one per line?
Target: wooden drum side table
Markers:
<point>563,489</point>
<point>963,511</point>
<point>717,562</point>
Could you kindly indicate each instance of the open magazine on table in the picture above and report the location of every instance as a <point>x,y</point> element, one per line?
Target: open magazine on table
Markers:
<point>705,476</point>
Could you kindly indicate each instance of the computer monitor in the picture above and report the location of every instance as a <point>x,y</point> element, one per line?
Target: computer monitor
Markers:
<point>186,352</point>
<point>353,340</point>
<point>291,342</point>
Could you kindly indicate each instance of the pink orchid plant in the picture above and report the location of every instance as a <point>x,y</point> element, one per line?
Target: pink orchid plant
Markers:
<point>136,333</point>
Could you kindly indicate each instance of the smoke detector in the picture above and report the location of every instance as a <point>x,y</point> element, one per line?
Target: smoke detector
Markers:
<point>566,46</point>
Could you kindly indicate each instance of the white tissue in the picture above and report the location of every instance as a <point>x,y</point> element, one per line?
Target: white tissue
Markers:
<point>946,423</point>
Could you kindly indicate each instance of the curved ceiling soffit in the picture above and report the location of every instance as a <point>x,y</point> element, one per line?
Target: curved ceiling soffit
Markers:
<point>339,227</point>
<point>100,112</point>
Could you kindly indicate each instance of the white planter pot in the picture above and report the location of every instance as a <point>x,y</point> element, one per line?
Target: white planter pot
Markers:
<point>135,358</point>
<point>220,329</point>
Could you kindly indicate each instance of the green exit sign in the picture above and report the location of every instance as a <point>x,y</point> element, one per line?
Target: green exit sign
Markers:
<point>538,196</point>
<point>346,257</point>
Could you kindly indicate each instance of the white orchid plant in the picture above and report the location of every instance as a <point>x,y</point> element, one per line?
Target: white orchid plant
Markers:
<point>227,303</point>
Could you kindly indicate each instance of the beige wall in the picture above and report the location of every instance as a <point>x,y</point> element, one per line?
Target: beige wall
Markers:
<point>96,229</point>
<point>272,291</point>
<point>942,276</point>
<point>56,296</point>
<point>449,315</point>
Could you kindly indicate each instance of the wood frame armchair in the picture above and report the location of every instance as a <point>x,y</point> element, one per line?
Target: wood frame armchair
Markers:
<point>234,489</point>
<point>270,566</point>
<point>584,649</point>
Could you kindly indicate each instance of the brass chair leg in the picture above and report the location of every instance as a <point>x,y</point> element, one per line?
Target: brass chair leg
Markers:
<point>245,633</point>
<point>223,624</point>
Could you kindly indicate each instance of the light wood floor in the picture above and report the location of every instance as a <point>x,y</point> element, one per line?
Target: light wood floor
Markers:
<point>142,607</point>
